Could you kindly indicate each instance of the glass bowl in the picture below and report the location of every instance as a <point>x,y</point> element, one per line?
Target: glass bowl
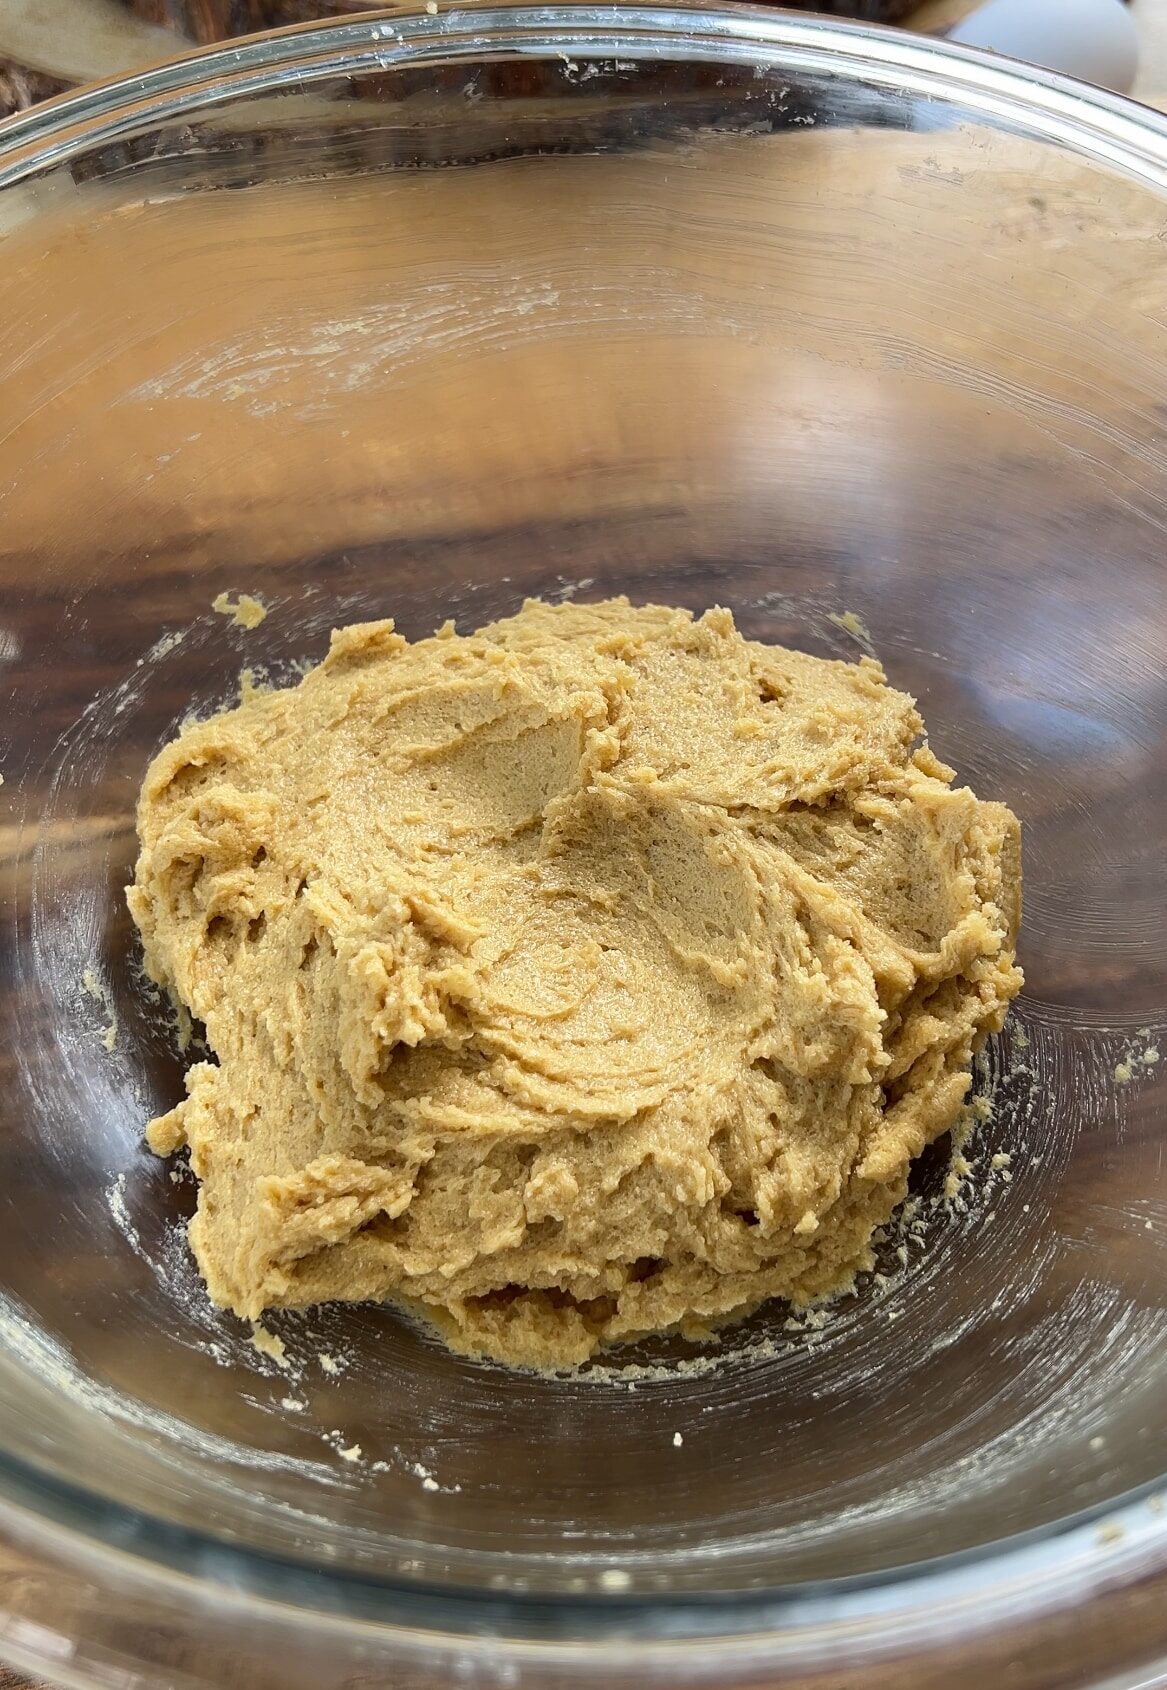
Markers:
<point>415,315</point>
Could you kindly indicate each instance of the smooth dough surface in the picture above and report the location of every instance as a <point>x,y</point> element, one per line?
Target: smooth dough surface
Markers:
<point>598,972</point>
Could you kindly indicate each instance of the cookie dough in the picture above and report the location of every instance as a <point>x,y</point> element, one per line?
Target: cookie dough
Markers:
<point>593,974</point>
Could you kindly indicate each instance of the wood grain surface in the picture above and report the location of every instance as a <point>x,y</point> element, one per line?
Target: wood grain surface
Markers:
<point>1151,16</point>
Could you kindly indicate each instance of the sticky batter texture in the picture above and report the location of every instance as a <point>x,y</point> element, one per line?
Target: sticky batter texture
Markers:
<point>596,973</point>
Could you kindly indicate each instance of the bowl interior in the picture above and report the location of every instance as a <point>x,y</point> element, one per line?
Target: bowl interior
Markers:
<point>430,325</point>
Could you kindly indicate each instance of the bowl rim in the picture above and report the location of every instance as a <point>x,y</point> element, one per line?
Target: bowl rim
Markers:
<point>1059,1566</point>
<point>1109,128</point>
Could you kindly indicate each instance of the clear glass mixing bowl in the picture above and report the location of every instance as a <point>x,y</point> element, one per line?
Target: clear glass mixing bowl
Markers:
<point>859,335</point>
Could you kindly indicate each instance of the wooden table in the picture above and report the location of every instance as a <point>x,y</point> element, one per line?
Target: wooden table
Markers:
<point>1151,87</point>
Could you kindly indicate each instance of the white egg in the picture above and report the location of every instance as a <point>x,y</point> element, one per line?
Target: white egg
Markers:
<point>1094,40</point>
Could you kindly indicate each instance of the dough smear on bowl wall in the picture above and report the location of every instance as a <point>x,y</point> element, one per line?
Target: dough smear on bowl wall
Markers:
<point>596,973</point>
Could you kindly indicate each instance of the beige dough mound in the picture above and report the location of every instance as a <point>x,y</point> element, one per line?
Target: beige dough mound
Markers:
<point>597,972</point>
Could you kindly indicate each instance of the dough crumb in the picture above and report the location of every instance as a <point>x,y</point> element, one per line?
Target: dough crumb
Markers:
<point>1134,1060</point>
<point>678,1440</point>
<point>852,624</point>
<point>328,1364</point>
<point>164,645</point>
<point>595,974</point>
<point>350,1453</point>
<point>268,1344</point>
<point>244,610</point>
<point>94,988</point>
